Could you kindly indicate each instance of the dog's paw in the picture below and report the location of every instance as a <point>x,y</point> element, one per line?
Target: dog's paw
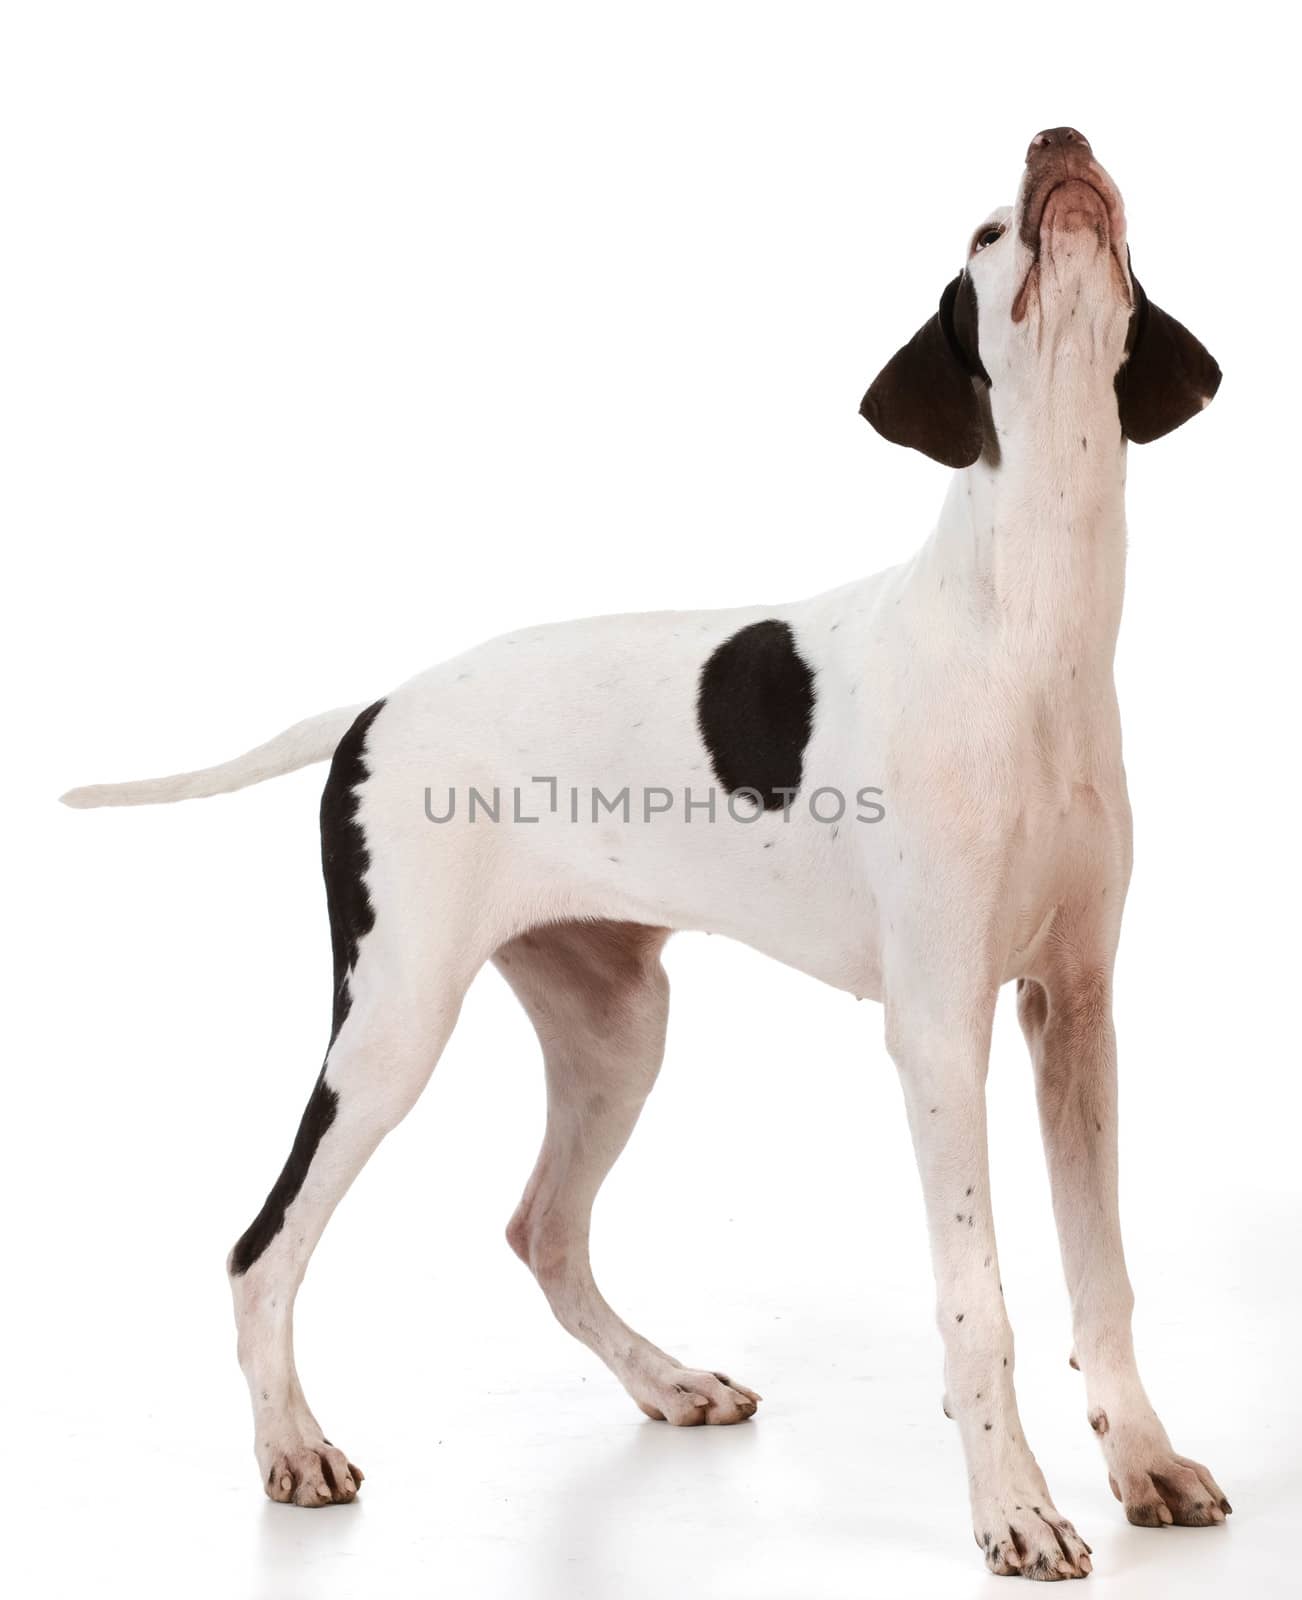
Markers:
<point>1161,1489</point>
<point>312,1475</point>
<point>1024,1540</point>
<point>688,1399</point>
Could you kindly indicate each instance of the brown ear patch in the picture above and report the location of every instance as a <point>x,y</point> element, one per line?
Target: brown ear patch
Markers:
<point>1167,376</point>
<point>925,396</point>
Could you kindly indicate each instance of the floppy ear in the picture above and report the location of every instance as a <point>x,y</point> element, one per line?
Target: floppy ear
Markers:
<point>1167,377</point>
<point>923,397</point>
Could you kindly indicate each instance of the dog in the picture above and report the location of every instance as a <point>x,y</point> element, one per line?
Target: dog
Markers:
<point>910,788</point>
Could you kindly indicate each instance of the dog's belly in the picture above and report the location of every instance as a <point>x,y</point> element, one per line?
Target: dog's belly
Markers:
<point>789,891</point>
<point>661,843</point>
<point>569,761</point>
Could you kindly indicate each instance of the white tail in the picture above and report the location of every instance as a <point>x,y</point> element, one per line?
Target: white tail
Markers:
<point>299,746</point>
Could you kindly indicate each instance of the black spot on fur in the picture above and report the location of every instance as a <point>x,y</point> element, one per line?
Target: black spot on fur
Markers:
<point>755,712</point>
<point>270,1220</point>
<point>344,860</point>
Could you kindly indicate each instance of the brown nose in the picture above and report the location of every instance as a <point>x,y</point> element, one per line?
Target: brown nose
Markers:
<point>1057,139</point>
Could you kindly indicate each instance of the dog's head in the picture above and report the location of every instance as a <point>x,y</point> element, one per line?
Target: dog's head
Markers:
<point>1047,289</point>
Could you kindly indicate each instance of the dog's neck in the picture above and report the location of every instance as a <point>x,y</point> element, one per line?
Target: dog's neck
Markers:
<point>1036,528</point>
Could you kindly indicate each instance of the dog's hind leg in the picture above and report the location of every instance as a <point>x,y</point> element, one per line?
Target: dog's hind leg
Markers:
<point>373,1075</point>
<point>401,969</point>
<point>599,1000</point>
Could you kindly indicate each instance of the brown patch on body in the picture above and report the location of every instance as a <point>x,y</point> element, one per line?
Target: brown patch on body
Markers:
<point>1099,1421</point>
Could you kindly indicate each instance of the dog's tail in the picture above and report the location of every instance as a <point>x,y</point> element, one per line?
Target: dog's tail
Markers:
<point>299,746</point>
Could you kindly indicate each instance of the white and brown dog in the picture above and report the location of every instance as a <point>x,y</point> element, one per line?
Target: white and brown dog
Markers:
<point>917,796</point>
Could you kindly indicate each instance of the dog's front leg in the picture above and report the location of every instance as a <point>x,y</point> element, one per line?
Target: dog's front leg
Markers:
<point>942,1055</point>
<point>1067,1019</point>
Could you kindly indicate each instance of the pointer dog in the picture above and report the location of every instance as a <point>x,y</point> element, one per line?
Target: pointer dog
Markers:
<point>972,687</point>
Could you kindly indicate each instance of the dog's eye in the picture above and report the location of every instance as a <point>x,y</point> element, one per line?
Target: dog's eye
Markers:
<point>986,238</point>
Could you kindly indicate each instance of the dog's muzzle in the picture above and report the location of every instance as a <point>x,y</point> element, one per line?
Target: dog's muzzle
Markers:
<point>1065,188</point>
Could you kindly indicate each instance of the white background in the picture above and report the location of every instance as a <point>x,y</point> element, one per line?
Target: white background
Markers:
<point>336,338</point>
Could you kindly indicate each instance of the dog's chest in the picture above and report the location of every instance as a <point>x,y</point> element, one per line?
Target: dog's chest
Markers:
<point>1005,798</point>
<point>1068,832</point>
